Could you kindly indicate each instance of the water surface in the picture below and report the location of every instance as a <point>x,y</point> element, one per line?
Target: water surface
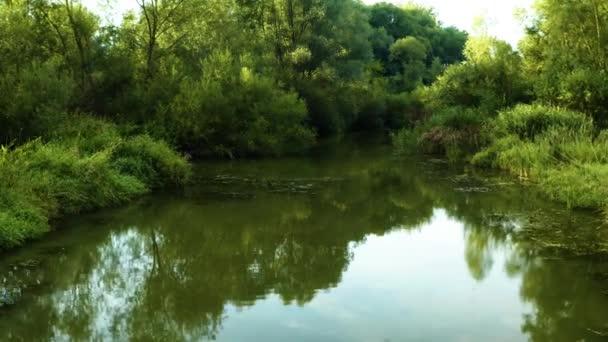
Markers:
<point>348,245</point>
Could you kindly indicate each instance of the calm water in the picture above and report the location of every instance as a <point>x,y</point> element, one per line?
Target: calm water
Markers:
<point>350,245</point>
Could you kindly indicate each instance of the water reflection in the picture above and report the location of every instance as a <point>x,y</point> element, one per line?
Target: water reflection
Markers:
<point>342,247</point>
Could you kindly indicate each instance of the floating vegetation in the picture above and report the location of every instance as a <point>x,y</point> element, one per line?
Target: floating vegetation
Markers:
<point>233,187</point>
<point>558,232</point>
<point>17,278</point>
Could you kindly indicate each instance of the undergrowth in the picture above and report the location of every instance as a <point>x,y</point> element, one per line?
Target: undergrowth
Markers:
<point>87,164</point>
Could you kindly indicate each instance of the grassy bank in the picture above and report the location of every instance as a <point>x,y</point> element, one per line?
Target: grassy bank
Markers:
<point>559,150</point>
<point>85,165</point>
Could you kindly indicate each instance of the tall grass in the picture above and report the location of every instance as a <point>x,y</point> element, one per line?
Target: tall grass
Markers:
<point>530,121</point>
<point>86,165</point>
<point>559,149</point>
<point>555,147</point>
<point>577,185</point>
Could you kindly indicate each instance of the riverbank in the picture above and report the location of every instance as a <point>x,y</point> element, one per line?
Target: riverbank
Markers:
<point>82,166</point>
<point>559,150</point>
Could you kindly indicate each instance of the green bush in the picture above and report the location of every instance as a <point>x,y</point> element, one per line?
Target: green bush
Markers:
<point>248,115</point>
<point>22,214</point>
<point>405,141</point>
<point>529,121</point>
<point>90,166</point>
<point>79,182</point>
<point>525,158</point>
<point>150,160</point>
<point>402,110</point>
<point>37,102</point>
<point>488,157</point>
<point>456,131</point>
<point>531,138</point>
<point>324,111</point>
<point>585,90</point>
<point>578,185</point>
<point>458,118</point>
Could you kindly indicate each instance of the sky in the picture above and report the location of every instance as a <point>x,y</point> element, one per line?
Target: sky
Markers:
<point>499,14</point>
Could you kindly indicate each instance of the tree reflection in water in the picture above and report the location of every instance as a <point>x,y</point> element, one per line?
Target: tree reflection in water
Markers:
<point>166,269</point>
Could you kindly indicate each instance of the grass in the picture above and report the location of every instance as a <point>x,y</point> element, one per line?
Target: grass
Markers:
<point>555,147</point>
<point>577,185</point>
<point>558,149</point>
<point>85,166</point>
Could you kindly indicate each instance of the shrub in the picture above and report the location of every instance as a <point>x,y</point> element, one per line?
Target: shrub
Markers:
<point>76,182</point>
<point>529,121</point>
<point>325,114</point>
<point>405,141</point>
<point>458,118</point>
<point>585,90</point>
<point>38,100</point>
<point>22,215</point>
<point>90,166</point>
<point>454,130</point>
<point>488,156</point>
<point>578,185</point>
<point>152,161</point>
<point>528,139</point>
<point>248,115</point>
<point>525,158</point>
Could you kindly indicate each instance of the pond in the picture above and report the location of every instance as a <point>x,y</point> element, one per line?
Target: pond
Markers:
<point>349,244</point>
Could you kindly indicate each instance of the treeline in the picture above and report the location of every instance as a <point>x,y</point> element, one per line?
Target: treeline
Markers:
<point>220,77</point>
<point>539,112</point>
<point>92,114</point>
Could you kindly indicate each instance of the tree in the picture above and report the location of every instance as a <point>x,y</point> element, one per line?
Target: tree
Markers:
<point>566,53</point>
<point>410,55</point>
<point>160,17</point>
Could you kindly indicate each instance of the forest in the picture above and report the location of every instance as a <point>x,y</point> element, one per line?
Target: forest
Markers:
<point>94,114</point>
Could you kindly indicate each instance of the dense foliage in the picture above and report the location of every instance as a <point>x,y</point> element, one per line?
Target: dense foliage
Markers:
<point>241,78</point>
<point>220,77</point>
<point>539,112</point>
<point>93,165</point>
<point>227,78</point>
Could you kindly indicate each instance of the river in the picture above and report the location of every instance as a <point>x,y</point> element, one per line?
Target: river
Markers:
<point>348,244</point>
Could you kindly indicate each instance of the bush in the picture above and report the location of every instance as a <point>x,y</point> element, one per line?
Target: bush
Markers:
<point>78,182</point>
<point>37,102</point>
<point>525,158</point>
<point>578,185</point>
<point>76,172</point>
<point>403,110</point>
<point>488,157</point>
<point>405,141</point>
<point>529,121</point>
<point>557,148</point>
<point>454,130</point>
<point>585,90</point>
<point>527,139</point>
<point>22,213</point>
<point>87,133</point>
<point>152,161</point>
<point>458,118</point>
<point>248,115</point>
<point>325,114</point>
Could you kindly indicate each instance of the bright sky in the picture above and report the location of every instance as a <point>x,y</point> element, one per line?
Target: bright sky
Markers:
<point>462,14</point>
<point>459,13</point>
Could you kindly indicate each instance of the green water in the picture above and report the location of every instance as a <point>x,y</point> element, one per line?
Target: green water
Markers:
<point>348,245</point>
